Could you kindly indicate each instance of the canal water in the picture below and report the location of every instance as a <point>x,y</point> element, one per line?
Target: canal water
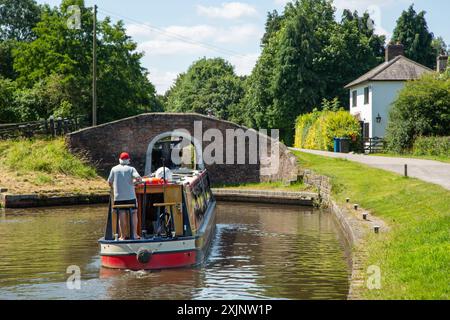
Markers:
<point>259,252</point>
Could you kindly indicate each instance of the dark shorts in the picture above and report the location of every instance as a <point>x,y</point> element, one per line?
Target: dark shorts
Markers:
<point>132,203</point>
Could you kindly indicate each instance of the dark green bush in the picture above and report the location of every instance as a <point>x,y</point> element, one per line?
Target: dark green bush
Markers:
<point>432,146</point>
<point>421,109</point>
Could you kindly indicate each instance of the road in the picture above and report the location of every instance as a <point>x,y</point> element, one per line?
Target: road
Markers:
<point>427,170</point>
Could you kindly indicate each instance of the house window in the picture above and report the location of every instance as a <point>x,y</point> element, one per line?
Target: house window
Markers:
<point>354,98</point>
<point>366,95</point>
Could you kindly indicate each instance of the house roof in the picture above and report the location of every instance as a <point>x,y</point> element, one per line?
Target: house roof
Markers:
<point>398,69</point>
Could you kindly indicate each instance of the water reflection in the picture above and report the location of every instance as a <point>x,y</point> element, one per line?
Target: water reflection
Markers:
<point>259,252</point>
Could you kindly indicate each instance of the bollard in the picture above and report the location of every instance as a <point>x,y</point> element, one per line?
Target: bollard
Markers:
<point>376,229</point>
<point>406,170</point>
<point>365,215</point>
<point>355,206</point>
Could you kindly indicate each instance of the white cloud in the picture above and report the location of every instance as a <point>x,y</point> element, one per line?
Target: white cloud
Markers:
<point>243,65</point>
<point>138,30</point>
<point>239,34</point>
<point>229,10</point>
<point>162,80</point>
<point>170,47</point>
<point>200,39</point>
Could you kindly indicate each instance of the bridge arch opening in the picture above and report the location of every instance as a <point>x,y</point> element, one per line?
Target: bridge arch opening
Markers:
<point>174,134</point>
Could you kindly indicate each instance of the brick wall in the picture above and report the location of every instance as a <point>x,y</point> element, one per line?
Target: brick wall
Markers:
<point>102,145</point>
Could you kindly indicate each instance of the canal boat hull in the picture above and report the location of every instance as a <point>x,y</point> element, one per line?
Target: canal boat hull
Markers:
<point>161,253</point>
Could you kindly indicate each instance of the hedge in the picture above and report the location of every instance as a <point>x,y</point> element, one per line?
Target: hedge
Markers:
<point>317,130</point>
<point>432,146</point>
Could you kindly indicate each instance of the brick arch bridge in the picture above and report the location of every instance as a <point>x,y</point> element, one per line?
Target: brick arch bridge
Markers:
<point>102,145</point>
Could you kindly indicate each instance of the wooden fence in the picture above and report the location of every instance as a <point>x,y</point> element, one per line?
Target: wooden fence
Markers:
<point>51,127</point>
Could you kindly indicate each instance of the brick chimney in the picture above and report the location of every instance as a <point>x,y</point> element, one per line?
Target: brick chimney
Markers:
<point>442,61</point>
<point>394,50</point>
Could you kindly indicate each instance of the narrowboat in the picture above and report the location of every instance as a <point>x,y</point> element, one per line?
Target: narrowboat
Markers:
<point>176,224</point>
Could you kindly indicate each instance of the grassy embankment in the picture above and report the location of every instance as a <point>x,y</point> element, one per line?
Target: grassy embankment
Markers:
<point>45,167</point>
<point>414,256</point>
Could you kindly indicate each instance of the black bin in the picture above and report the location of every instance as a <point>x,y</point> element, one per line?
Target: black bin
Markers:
<point>344,145</point>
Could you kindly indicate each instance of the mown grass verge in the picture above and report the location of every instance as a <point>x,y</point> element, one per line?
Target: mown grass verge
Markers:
<point>414,256</point>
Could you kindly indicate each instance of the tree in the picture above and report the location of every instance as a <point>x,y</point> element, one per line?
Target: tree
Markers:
<point>439,46</point>
<point>412,32</point>
<point>208,84</point>
<point>7,60</point>
<point>273,24</point>
<point>307,56</point>
<point>7,112</point>
<point>123,85</point>
<point>17,19</point>
<point>421,109</point>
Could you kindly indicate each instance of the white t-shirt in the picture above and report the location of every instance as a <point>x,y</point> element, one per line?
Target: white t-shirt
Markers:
<point>121,177</point>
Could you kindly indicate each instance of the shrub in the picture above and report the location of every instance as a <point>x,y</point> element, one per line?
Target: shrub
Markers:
<point>432,146</point>
<point>302,127</point>
<point>421,109</point>
<point>317,130</point>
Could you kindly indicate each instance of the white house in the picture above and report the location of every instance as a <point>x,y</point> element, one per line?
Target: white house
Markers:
<point>372,95</point>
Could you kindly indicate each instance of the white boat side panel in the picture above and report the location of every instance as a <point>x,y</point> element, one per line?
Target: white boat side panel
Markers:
<point>155,247</point>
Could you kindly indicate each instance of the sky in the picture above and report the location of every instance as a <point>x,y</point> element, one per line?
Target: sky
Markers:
<point>175,33</point>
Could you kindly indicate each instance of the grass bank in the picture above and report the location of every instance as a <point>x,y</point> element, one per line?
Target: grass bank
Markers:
<point>414,256</point>
<point>45,166</point>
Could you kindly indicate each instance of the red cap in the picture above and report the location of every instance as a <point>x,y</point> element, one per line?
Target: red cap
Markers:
<point>124,156</point>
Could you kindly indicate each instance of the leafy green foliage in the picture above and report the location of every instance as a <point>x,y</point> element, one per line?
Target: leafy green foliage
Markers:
<point>17,19</point>
<point>412,32</point>
<point>54,70</point>
<point>302,51</point>
<point>421,109</point>
<point>432,146</point>
<point>318,129</point>
<point>7,89</point>
<point>7,60</point>
<point>209,84</point>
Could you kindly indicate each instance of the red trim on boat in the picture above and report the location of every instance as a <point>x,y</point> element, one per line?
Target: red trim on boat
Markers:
<point>157,261</point>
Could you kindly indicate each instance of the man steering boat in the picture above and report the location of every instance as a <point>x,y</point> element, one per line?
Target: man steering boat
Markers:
<point>122,180</point>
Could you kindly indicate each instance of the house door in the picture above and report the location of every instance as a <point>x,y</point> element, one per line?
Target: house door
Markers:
<point>366,132</point>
